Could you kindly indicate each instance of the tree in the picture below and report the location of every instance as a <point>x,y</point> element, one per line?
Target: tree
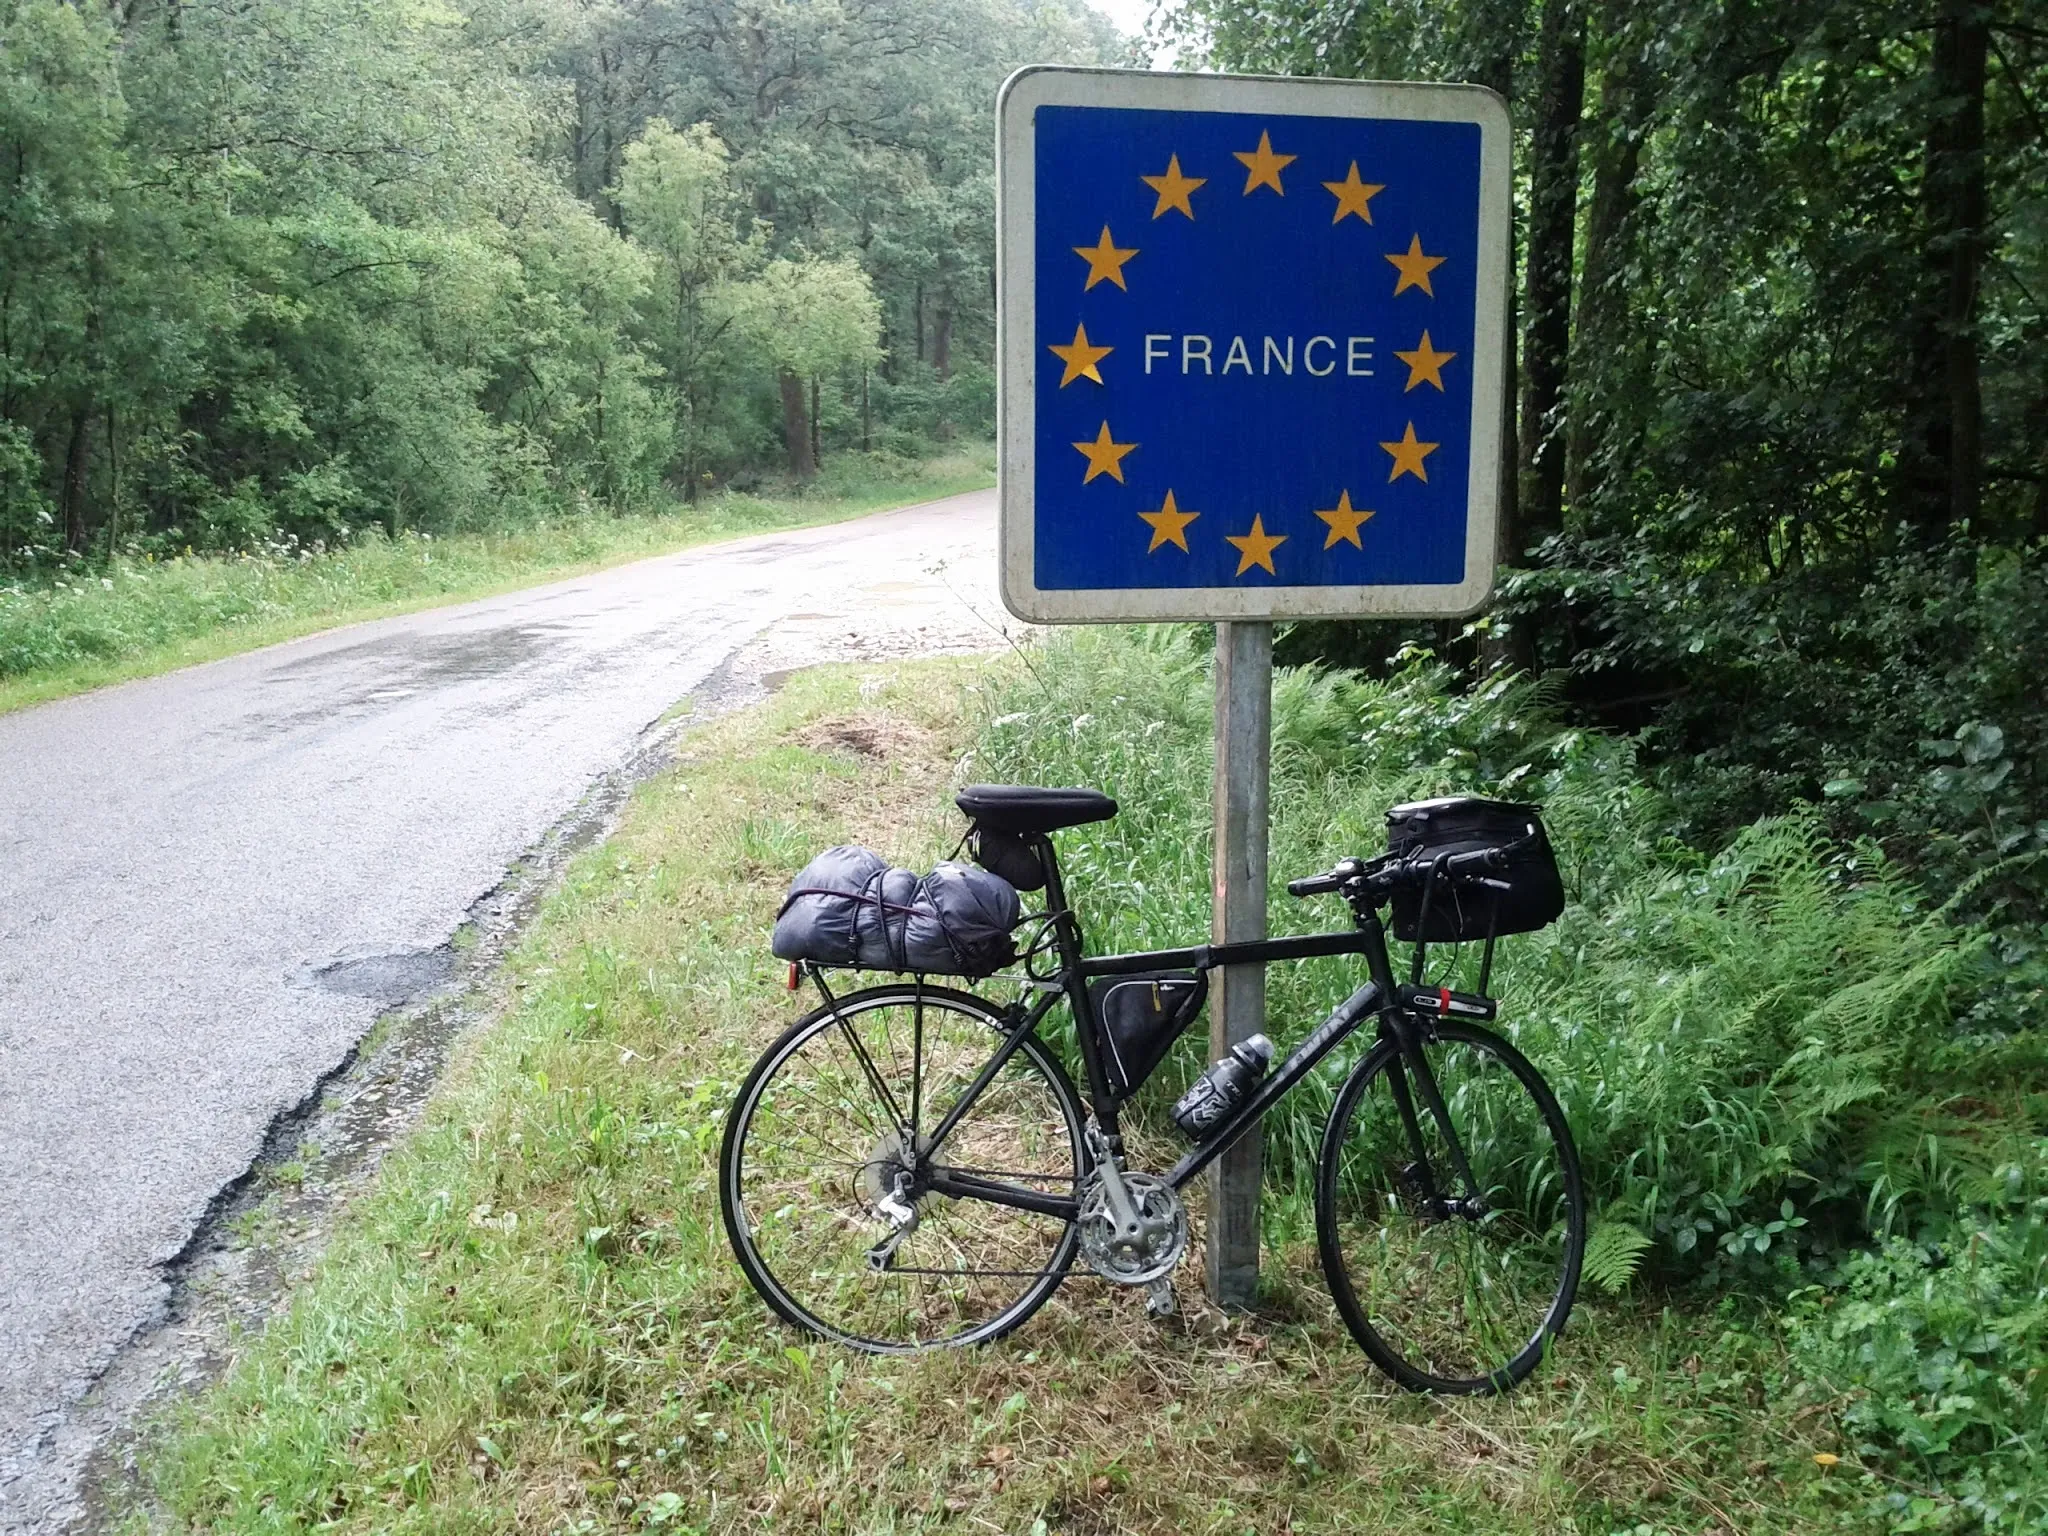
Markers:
<point>1786,316</point>
<point>678,200</point>
<point>806,317</point>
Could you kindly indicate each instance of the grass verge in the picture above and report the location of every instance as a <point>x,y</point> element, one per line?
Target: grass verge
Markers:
<point>531,1323</point>
<point>138,617</point>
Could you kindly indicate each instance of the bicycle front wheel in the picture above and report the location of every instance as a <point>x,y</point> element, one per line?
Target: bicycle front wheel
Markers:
<point>1449,1283</point>
<point>829,1143</point>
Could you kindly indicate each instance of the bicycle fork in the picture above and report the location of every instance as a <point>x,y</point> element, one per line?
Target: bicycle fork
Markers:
<point>1411,1061</point>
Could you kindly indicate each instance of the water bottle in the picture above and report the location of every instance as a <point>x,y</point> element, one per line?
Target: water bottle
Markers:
<point>1227,1084</point>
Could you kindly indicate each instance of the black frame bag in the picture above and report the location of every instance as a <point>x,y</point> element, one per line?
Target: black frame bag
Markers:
<point>1141,1017</point>
<point>1458,910</point>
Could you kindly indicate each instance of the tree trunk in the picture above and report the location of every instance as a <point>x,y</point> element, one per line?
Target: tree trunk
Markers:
<point>1513,648</point>
<point>867,419</point>
<point>917,319</point>
<point>2037,433</point>
<point>76,456</point>
<point>1553,213</point>
<point>1945,458</point>
<point>1967,24</point>
<point>942,361</point>
<point>1601,334</point>
<point>817,444</point>
<point>796,429</point>
<point>607,169</point>
<point>1499,76</point>
<point>113,484</point>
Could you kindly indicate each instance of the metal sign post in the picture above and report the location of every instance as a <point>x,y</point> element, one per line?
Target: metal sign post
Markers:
<point>1252,347</point>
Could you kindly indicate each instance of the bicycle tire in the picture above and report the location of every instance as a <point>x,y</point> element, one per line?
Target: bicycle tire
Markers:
<point>1557,1197</point>
<point>742,1233</point>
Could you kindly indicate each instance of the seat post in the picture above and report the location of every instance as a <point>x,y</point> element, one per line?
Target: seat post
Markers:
<point>1072,944</point>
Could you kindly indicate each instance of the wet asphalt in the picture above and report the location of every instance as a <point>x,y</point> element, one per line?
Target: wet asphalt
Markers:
<point>213,882</point>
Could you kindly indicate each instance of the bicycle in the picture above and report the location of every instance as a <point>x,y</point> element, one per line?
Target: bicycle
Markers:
<point>910,1167</point>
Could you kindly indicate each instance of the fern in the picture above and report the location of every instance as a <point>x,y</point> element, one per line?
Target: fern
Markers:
<point>1614,1252</point>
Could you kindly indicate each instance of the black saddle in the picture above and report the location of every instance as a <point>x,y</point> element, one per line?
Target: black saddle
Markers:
<point>1023,808</point>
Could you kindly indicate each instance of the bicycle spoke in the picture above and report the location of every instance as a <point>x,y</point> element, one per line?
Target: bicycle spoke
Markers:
<point>1450,1292</point>
<point>816,1167</point>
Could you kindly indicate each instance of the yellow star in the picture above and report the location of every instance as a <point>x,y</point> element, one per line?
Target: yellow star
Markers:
<point>1173,188</point>
<point>1408,456</point>
<point>1415,269</point>
<point>1104,457</point>
<point>1353,196</point>
<point>1169,525</point>
<point>1425,363</point>
<point>1256,548</point>
<point>1344,522</point>
<point>1262,167</point>
<point>1105,261</point>
<point>1079,357</point>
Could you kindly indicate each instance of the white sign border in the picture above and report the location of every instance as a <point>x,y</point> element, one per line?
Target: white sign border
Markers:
<point>1016,324</point>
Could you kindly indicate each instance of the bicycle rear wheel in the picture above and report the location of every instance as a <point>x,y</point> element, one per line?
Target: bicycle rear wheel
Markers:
<point>818,1147</point>
<point>1451,1286</point>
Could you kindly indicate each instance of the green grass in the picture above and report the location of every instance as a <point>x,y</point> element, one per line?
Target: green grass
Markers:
<point>530,1322</point>
<point>138,617</point>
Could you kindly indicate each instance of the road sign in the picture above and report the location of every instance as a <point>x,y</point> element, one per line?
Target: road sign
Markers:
<point>1252,345</point>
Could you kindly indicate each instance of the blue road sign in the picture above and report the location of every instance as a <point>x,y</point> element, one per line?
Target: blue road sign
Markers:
<point>1252,345</point>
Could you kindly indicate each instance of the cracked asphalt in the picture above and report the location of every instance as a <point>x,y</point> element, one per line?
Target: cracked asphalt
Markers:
<point>212,882</point>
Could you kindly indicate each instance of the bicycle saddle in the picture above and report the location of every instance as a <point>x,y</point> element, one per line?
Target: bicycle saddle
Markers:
<point>1024,808</point>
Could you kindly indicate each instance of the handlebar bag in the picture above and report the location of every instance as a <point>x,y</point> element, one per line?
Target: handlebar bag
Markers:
<point>848,907</point>
<point>1142,1016</point>
<point>1459,910</point>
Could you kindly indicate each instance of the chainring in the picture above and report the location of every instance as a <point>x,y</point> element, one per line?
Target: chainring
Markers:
<point>1155,1251</point>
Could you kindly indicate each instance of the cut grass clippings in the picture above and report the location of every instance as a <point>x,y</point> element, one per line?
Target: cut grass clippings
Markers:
<point>138,617</point>
<point>531,1323</point>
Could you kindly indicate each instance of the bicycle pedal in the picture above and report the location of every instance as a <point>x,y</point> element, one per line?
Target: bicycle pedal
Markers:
<point>1159,1299</point>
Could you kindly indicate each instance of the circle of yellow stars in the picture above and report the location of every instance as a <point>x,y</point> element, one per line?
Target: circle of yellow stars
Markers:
<point>1174,191</point>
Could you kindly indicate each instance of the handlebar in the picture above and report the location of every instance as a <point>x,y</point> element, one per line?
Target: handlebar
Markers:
<point>1381,878</point>
<point>1314,885</point>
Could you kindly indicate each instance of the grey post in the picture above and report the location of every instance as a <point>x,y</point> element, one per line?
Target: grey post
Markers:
<point>1244,740</point>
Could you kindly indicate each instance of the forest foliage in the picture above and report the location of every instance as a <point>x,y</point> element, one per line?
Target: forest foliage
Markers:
<point>303,267</point>
<point>1779,486</point>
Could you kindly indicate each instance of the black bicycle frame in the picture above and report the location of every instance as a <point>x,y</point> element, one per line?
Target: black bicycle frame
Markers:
<point>1379,997</point>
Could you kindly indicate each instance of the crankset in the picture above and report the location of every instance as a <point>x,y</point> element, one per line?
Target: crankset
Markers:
<point>1133,1226</point>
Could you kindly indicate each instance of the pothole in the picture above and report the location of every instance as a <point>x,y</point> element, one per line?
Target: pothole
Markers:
<point>391,981</point>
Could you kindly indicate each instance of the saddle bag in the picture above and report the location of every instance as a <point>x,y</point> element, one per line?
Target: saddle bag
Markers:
<point>848,907</point>
<point>1458,910</point>
<point>1142,1016</point>
<point>1008,855</point>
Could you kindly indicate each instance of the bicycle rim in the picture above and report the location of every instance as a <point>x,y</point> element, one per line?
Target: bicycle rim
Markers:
<point>1451,1303</point>
<point>814,1145</point>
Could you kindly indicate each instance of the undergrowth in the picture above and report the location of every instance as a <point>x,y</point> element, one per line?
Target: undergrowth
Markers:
<point>1757,1045</point>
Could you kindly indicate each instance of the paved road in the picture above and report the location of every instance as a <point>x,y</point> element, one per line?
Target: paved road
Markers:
<point>181,857</point>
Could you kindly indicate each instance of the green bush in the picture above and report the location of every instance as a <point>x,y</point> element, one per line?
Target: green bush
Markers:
<point>1938,1348</point>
